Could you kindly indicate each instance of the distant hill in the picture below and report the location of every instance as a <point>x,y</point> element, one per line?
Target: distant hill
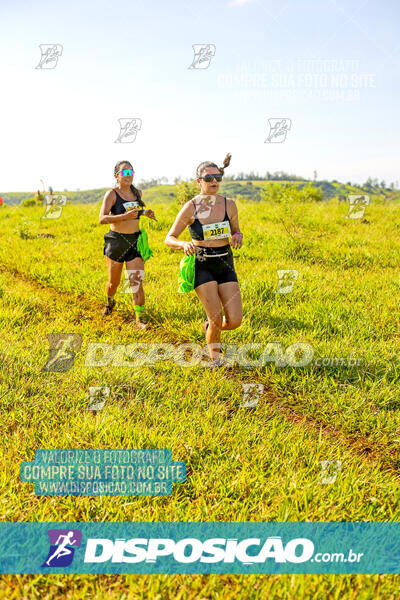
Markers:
<point>246,190</point>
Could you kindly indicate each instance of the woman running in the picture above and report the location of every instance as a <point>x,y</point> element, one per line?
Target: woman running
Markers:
<point>215,280</point>
<point>122,208</point>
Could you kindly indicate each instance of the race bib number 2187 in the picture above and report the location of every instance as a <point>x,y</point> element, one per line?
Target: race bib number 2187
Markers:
<point>216,231</point>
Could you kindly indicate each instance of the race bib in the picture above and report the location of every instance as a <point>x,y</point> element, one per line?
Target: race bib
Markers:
<point>216,231</point>
<point>131,205</point>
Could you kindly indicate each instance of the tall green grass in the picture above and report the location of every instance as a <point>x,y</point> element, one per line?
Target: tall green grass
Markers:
<point>260,464</point>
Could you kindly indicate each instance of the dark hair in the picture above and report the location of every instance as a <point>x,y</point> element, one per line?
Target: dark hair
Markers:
<point>204,165</point>
<point>133,188</point>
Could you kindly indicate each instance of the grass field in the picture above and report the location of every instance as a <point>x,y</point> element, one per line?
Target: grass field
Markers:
<point>260,464</point>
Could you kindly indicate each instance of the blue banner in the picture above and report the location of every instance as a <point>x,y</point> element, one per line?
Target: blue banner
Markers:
<point>220,548</point>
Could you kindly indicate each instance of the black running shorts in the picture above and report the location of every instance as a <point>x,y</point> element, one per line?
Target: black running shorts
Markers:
<point>121,247</point>
<point>214,268</point>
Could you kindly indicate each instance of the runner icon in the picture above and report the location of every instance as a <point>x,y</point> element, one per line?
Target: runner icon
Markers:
<point>63,351</point>
<point>62,549</point>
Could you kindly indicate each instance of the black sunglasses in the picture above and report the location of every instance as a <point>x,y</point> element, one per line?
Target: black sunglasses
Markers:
<point>209,178</point>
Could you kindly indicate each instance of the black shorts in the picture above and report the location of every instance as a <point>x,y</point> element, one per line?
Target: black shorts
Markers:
<point>121,247</point>
<point>214,268</point>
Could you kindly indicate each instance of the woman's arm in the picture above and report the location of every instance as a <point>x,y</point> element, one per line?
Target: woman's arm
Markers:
<point>183,219</point>
<point>237,236</point>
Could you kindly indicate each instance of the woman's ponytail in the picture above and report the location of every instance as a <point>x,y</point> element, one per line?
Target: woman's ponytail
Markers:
<point>226,163</point>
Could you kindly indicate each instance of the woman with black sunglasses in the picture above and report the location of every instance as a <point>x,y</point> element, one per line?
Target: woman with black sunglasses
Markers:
<point>215,280</point>
<point>122,207</point>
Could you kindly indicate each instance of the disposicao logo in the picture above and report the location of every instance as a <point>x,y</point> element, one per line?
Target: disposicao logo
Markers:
<point>190,550</point>
<point>248,551</point>
<point>63,543</point>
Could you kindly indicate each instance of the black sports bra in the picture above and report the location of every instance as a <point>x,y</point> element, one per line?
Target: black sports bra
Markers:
<point>196,228</point>
<point>118,206</point>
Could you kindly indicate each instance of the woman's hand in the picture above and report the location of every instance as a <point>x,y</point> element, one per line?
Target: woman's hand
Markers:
<point>237,240</point>
<point>189,248</point>
<point>131,214</point>
<point>150,214</point>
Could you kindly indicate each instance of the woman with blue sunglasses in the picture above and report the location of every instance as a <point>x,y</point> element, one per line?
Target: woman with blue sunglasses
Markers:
<point>122,207</point>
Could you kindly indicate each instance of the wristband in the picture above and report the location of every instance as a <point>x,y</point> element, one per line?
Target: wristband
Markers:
<point>238,232</point>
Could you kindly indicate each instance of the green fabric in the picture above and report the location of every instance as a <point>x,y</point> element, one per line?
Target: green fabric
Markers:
<point>186,274</point>
<point>139,308</point>
<point>143,245</point>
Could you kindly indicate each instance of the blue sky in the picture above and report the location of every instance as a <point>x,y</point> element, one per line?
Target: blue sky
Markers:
<point>272,60</point>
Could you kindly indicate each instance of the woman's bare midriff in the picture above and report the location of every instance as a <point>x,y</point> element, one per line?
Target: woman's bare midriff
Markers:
<point>214,244</point>
<point>126,226</point>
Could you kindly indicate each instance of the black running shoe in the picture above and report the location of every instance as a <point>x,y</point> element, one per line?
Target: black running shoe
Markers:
<point>109,308</point>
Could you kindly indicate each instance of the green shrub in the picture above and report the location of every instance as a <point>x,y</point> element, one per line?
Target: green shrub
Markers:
<point>24,230</point>
<point>186,190</point>
<point>288,192</point>
<point>29,202</point>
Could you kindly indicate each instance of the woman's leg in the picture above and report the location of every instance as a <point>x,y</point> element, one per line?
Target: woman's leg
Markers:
<point>136,276</point>
<point>114,277</point>
<point>208,295</point>
<point>231,299</point>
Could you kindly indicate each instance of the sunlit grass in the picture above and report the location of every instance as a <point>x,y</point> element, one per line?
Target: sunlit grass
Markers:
<point>259,464</point>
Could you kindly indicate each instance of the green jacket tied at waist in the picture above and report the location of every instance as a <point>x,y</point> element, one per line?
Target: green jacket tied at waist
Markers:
<point>143,245</point>
<point>186,274</point>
